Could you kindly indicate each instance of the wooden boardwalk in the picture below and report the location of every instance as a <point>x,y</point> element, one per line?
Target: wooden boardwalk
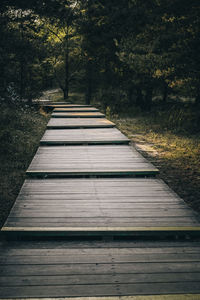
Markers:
<point>71,105</point>
<point>83,136</point>
<point>67,105</point>
<point>165,270</point>
<point>100,160</point>
<point>76,109</point>
<point>65,123</point>
<point>93,206</point>
<point>105,190</point>
<point>78,115</point>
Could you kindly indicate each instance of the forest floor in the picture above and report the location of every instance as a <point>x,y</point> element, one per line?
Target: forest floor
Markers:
<point>20,132</point>
<point>176,155</point>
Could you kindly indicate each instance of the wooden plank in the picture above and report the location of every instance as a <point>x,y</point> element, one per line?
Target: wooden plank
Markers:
<point>98,258</point>
<point>65,123</point>
<point>151,232</point>
<point>70,105</point>
<point>119,248</point>
<point>150,297</point>
<point>62,208</point>
<point>102,268</point>
<point>75,109</point>
<point>67,269</point>
<point>96,279</point>
<point>100,290</point>
<point>77,105</point>
<point>83,136</point>
<point>101,160</point>
<point>78,115</point>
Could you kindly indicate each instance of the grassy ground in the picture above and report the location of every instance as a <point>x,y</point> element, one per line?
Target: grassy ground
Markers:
<point>20,132</point>
<point>171,146</point>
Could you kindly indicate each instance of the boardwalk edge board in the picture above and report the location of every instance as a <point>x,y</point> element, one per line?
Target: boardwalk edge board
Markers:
<point>77,109</point>
<point>77,115</point>
<point>105,229</point>
<point>103,142</point>
<point>57,174</point>
<point>79,126</point>
<point>101,231</point>
<point>146,297</point>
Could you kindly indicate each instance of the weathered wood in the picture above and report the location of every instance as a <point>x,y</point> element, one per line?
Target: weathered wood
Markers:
<point>52,269</point>
<point>83,136</point>
<point>101,160</point>
<point>146,297</point>
<point>75,109</point>
<point>78,115</point>
<point>71,105</point>
<point>65,123</point>
<point>83,206</point>
<point>101,290</point>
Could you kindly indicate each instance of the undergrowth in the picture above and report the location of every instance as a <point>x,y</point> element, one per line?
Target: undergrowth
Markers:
<point>20,131</point>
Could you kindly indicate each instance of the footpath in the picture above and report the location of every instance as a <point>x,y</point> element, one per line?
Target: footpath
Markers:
<point>93,221</point>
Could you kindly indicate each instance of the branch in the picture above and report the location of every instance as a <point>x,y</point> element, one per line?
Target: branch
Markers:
<point>55,34</point>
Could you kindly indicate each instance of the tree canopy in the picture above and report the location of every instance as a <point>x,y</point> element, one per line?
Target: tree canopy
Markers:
<point>116,51</point>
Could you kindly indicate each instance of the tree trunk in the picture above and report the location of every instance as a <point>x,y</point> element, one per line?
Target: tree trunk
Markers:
<point>21,92</point>
<point>88,94</point>
<point>139,97</point>
<point>66,88</point>
<point>165,93</point>
<point>148,99</point>
<point>65,94</point>
<point>197,99</point>
<point>130,95</point>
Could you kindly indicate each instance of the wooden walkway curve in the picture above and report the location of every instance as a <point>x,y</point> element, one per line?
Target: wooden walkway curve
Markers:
<point>87,180</point>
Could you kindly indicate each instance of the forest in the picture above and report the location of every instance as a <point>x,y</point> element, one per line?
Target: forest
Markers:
<point>126,52</point>
<point>136,60</point>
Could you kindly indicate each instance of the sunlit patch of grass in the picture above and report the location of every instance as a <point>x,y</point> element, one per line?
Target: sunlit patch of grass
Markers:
<point>178,156</point>
<point>20,133</point>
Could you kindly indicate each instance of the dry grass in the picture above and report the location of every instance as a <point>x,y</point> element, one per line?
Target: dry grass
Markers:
<point>177,156</point>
